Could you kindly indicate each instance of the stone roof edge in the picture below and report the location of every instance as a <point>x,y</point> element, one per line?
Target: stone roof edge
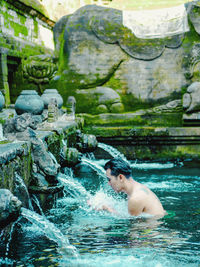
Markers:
<point>38,10</point>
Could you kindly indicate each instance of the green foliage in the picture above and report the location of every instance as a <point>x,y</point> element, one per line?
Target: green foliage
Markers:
<point>2,121</point>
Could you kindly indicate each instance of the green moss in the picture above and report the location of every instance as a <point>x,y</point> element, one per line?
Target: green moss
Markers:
<point>26,165</point>
<point>4,142</point>
<point>9,21</point>
<point>23,166</point>
<point>18,29</point>
<point>191,37</point>
<point>125,131</point>
<point>184,89</point>
<point>132,119</point>
<point>35,29</point>
<point>2,121</point>
<point>70,133</point>
<point>62,58</point>
<point>7,17</point>
<point>167,153</point>
<point>130,102</point>
<point>146,143</point>
<point>22,19</point>
<point>114,83</point>
<point>54,142</point>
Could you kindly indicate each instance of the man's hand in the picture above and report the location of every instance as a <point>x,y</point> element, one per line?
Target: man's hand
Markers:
<point>109,209</point>
<point>103,207</point>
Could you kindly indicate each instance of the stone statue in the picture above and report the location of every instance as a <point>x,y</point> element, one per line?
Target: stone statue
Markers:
<point>104,58</point>
<point>71,107</point>
<point>52,110</point>
<point>44,163</point>
<point>17,127</point>
<point>22,127</point>
<point>191,99</point>
<point>39,69</point>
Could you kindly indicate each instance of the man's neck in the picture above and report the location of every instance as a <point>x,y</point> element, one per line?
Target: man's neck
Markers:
<point>129,186</point>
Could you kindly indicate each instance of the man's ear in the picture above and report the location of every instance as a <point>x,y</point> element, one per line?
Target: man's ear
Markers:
<point>121,177</point>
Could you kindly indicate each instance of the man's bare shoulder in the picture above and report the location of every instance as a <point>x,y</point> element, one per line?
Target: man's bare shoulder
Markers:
<point>143,199</point>
<point>136,204</point>
<point>139,196</point>
<point>140,192</point>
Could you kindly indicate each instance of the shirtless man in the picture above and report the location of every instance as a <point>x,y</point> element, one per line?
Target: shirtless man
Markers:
<point>140,197</point>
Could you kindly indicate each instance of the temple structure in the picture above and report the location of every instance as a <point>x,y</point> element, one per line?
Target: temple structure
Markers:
<point>25,30</point>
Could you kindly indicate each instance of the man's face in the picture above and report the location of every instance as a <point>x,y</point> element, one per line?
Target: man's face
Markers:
<point>113,181</point>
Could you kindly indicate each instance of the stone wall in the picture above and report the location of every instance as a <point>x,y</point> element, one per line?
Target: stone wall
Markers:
<point>108,69</point>
<point>23,24</point>
<point>14,158</point>
<point>25,30</point>
<point>31,166</point>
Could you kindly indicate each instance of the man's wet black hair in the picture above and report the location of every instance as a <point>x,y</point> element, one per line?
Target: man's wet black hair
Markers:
<point>118,166</point>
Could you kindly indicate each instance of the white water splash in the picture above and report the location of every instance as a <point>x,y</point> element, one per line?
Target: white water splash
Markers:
<point>112,151</point>
<point>155,165</point>
<point>20,188</point>
<point>99,199</point>
<point>53,158</point>
<point>1,133</point>
<point>50,230</point>
<point>102,198</point>
<point>73,187</point>
<point>37,203</point>
<point>10,238</point>
<point>94,165</point>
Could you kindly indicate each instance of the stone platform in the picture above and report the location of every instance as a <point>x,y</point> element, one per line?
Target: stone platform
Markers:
<point>152,143</point>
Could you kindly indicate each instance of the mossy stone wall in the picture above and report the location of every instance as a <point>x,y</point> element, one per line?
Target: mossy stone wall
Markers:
<point>17,160</point>
<point>24,32</point>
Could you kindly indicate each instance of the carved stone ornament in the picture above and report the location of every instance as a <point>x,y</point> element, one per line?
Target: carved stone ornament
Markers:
<point>39,69</point>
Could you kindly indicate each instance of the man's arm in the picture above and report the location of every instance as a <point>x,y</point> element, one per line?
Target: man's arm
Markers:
<point>135,206</point>
<point>109,209</point>
<point>103,207</point>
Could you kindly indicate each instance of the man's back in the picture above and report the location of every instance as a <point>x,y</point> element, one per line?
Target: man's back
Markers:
<point>144,200</point>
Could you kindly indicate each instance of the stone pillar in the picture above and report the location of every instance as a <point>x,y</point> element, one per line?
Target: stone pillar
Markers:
<point>52,110</point>
<point>4,86</point>
<point>71,107</point>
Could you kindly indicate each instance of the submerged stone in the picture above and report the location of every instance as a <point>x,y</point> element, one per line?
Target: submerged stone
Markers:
<point>9,207</point>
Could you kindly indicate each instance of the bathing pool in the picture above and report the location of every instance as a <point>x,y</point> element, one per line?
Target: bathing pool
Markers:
<point>75,234</point>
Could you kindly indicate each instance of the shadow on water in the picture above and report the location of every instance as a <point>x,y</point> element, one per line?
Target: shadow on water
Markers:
<point>73,233</point>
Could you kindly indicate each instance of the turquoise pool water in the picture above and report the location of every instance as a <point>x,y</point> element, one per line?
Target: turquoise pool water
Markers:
<point>98,238</point>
